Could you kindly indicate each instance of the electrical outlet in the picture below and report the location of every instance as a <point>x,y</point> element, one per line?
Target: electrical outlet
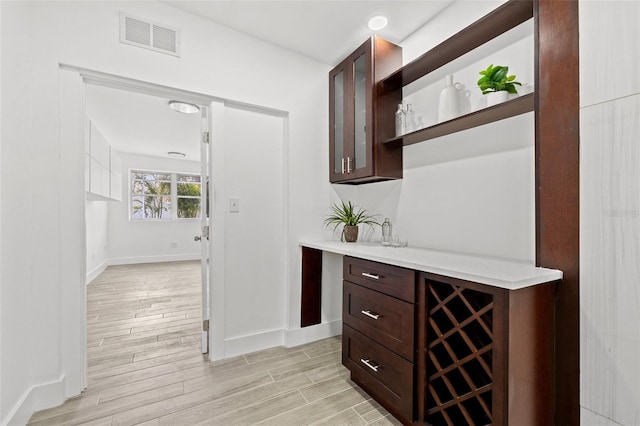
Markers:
<point>234,205</point>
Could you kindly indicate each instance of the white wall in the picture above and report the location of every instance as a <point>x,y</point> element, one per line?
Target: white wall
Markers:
<point>36,37</point>
<point>1,223</point>
<point>17,238</point>
<point>97,217</point>
<point>610,213</point>
<point>136,241</point>
<point>254,237</point>
<point>444,25</point>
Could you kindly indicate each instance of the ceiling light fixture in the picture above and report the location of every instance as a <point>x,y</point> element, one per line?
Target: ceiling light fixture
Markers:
<point>184,107</point>
<point>176,154</point>
<point>377,23</point>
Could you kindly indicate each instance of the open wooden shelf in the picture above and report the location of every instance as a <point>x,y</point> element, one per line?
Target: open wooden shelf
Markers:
<point>501,20</point>
<point>517,106</point>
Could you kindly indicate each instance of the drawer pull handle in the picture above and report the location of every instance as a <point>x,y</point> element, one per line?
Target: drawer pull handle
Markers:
<point>371,315</point>
<point>375,277</point>
<point>368,363</point>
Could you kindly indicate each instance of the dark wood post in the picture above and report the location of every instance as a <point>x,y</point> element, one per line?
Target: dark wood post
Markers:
<point>311,303</point>
<point>557,187</point>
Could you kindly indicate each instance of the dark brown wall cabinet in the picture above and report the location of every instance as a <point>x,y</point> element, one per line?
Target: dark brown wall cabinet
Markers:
<point>442,351</point>
<point>359,118</point>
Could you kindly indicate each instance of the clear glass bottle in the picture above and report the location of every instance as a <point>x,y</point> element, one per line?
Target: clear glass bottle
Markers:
<point>410,120</point>
<point>386,232</point>
<point>400,121</point>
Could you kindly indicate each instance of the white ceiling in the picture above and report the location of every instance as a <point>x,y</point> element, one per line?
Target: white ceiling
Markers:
<point>324,30</point>
<point>143,124</point>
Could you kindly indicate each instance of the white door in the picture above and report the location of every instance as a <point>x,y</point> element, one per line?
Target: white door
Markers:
<point>204,222</point>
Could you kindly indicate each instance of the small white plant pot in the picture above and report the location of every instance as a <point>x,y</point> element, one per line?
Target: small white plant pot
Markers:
<point>495,98</point>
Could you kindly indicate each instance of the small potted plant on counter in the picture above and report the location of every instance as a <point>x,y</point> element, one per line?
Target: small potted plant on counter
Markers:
<point>497,84</point>
<point>346,213</point>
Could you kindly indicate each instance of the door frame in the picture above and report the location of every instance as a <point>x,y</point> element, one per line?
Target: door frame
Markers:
<point>205,221</point>
<point>72,119</point>
<point>86,76</point>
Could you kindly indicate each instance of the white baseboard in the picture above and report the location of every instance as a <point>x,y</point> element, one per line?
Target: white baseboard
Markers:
<point>36,398</point>
<point>153,259</point>
<point>92,275</point>
<point>289,338</point>
<point>255,342</point>
<point>300,336</point>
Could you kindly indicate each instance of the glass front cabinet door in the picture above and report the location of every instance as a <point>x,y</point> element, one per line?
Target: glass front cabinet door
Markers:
<point>358,120</point>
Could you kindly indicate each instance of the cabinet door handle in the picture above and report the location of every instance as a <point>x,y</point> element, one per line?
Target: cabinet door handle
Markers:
<point>368,363</point>
<point>348,165</point>
<point>368,275</point>
<point>342,165</point>
<point>370,314</point>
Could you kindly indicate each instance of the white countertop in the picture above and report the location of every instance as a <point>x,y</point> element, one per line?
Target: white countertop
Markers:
<point>485,270</point>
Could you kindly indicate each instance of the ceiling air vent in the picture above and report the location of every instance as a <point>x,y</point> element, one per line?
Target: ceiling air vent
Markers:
<point>149,35</point>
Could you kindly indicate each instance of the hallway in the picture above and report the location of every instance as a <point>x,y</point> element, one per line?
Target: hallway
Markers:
<point>145,365</point>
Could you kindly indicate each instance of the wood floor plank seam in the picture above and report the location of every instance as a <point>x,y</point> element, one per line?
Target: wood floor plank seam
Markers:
<point>302,395</point>
<point>115,371</point>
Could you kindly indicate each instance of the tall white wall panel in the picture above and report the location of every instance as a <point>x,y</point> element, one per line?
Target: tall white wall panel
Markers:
<point>610,212</point>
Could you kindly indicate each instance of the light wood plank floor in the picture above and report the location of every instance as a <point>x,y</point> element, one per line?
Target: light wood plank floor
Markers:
<point>145,365</point>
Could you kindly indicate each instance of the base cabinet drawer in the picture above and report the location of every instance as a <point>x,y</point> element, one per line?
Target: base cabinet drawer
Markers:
<point>385,319</point>
<point>388,279</point>
<point>385,375</point>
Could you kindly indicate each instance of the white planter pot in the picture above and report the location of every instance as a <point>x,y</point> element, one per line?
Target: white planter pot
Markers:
<point>495,98</point>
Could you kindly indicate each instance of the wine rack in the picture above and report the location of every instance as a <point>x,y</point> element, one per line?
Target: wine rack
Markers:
<point>459,355</point>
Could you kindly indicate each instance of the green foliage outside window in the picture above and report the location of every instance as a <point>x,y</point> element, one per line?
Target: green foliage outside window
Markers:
<point>189,200</point>
<point>152,196</point>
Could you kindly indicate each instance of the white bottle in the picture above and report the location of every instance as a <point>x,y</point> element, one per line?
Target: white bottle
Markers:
<point>410,120</point>
<point>449,106</point>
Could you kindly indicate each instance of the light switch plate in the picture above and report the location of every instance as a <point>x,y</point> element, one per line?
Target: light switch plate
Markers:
<point>234,205</point>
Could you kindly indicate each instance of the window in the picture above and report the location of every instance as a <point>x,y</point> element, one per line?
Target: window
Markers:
<point>164,195</point>
<point>188,196</point>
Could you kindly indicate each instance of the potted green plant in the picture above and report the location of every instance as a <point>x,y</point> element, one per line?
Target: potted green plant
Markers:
<point>351,216</point>
<point>497,84</point>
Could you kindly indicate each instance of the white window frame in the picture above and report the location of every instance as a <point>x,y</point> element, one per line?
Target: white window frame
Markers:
<point>173,195</point>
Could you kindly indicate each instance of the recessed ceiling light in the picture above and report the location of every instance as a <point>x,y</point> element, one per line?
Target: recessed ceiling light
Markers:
<point>184,107</point>
<point>176,154</point>
<point>377,23</point>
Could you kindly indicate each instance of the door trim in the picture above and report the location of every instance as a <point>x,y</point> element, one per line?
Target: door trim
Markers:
<point>216,287</point>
